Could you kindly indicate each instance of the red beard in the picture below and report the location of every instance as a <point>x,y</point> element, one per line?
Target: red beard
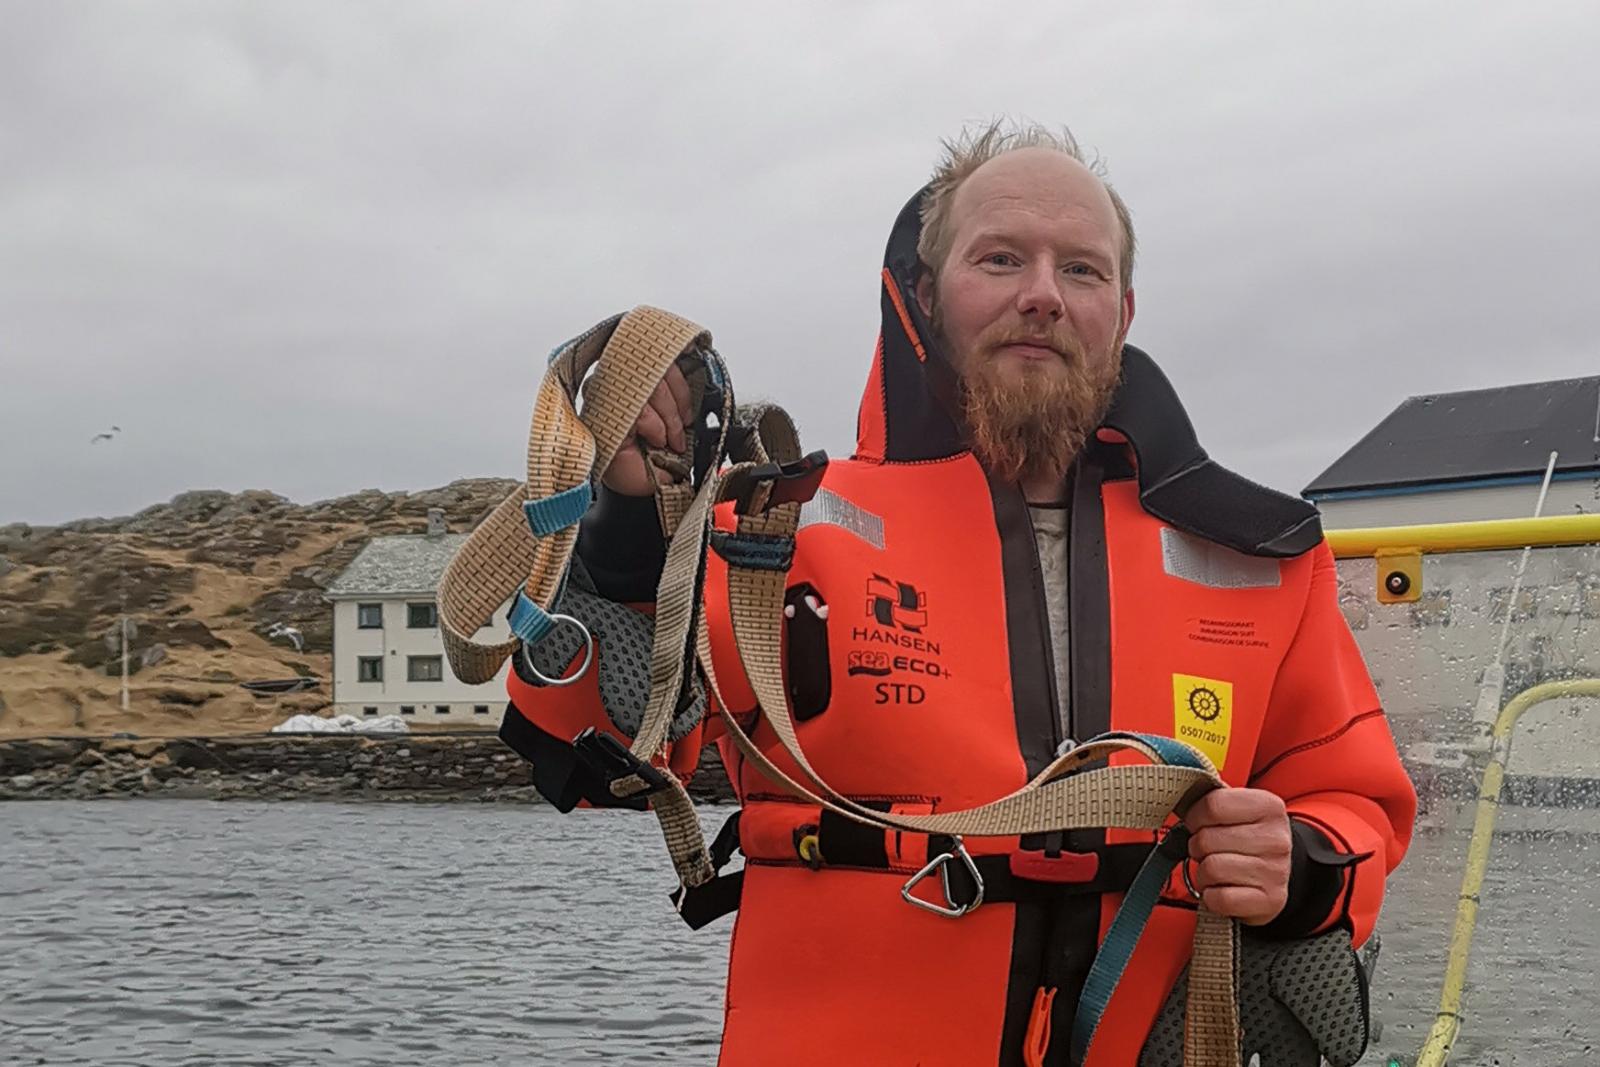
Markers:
<point>1034,423</point>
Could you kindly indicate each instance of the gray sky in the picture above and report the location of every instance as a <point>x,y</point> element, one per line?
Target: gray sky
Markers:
<point>317,247</point>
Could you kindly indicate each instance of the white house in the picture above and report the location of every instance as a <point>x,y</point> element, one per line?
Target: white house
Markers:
<point>388,655</point>
<point>1458,457</point>
<point>1445,664</point>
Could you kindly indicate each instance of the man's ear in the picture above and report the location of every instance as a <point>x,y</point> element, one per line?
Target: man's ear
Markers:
<point>924,291</point>
<point>1127,317</point>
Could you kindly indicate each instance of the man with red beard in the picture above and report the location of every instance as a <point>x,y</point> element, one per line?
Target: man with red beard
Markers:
<point>1047,554</point>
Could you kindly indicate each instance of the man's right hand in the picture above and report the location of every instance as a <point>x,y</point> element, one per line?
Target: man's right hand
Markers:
<point>660,425</point>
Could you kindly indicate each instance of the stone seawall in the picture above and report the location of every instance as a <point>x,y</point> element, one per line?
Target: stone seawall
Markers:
<point>418,767</point>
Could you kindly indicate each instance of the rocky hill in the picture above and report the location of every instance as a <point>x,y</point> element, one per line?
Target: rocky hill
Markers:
<point>204,579</point>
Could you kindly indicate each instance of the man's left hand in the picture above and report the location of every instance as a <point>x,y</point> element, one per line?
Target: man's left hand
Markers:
<point>1239,853</point>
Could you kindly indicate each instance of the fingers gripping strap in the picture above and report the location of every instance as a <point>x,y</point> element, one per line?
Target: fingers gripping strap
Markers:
<point>630,354</point>
<point>642,349</point>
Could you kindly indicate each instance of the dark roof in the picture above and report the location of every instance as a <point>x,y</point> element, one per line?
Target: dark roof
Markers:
<point>1462,437</point>
<point>400,564</point>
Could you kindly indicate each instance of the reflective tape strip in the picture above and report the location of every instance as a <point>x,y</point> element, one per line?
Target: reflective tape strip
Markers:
<point>1215,566</point>
<point>828,508</point>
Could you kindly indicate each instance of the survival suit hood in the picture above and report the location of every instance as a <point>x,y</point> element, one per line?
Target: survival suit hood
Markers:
<point>909,414</point>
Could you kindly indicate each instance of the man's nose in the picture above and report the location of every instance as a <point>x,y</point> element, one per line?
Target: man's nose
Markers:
<point>1040,295</point>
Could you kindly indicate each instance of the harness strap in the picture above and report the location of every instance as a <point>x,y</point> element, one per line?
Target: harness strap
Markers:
<point>700,905</point>
<point>560,773</point>
<point>1140,797</point>
<point>768,488</point>
<point>533,531</point>
<point>800,836</point>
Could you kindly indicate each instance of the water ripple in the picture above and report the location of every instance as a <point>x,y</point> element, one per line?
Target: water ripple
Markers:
<point>343,935</point>
<point>347,935</point>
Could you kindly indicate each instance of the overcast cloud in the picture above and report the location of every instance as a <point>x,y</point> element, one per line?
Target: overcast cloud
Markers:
<point>317,247</point>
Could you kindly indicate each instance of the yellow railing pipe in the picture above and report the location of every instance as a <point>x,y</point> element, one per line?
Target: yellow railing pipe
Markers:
<point>1467,536</point>
<point>1447,1023</point>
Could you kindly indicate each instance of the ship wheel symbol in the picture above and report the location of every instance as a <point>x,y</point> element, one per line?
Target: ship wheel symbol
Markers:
<point>1204,703</point>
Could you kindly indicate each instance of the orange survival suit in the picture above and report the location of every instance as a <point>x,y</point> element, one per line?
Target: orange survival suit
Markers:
<point>1202,607</point>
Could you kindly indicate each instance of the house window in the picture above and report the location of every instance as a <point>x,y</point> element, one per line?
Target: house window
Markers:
<point>480,709</point>
<point>369,710</point>
<point>369,668</point>
<point>369,616</point>
<point>424,668</point>
<point>441,709</point>
<point>422,616</point>
<point>408,709</point>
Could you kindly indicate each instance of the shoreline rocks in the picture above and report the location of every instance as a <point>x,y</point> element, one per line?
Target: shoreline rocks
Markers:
<point>415,767</point>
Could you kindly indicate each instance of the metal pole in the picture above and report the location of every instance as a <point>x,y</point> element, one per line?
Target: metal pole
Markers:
<point>1492,689</point>
<point>124,661</point>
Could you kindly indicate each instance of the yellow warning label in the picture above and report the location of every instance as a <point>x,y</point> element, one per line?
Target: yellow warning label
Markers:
<point>1202,714</point>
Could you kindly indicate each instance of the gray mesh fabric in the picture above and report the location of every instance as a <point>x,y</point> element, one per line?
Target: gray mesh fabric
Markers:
<point>622,656</point>
<point>1300,1002</point>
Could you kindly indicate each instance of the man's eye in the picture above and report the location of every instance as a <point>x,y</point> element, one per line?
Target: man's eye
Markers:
<point>1000,259</point>
<point>1082,269</point>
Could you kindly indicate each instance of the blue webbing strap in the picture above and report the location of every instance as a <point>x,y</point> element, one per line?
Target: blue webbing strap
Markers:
<point>1137,904</point>
<point>1173,753</point>
<point>559,510</point>
<point>759,552</point>
<point>528,620</point>
<point>1123,936</point>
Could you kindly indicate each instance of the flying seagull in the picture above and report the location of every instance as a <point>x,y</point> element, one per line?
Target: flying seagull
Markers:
<point>278,629</point>
<point>97,438</point>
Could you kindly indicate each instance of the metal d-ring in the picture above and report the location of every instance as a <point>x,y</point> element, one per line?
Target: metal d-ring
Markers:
<point>588,652</point>
<point>1188,882</point>
<point>949,909</point>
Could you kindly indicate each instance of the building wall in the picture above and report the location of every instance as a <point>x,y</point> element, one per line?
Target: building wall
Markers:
<point>1431,660</point>
<point>1461,505</point>
<point>394,643</point>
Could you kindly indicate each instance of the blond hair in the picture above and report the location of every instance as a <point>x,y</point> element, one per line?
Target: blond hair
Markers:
<point>975,147</point>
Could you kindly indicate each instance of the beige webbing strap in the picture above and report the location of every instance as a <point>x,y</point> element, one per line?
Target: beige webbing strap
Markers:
<point>629,355</point>
<point>1211,1012</point>
<point>633,354</point>
<point>1133,797</point>
<point>1139,797</point>
<point>677,606</point>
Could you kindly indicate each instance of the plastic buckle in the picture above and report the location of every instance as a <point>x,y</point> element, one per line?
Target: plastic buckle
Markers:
<point>794,482</point>
<point>610,759</point>
<point>949,909</point>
